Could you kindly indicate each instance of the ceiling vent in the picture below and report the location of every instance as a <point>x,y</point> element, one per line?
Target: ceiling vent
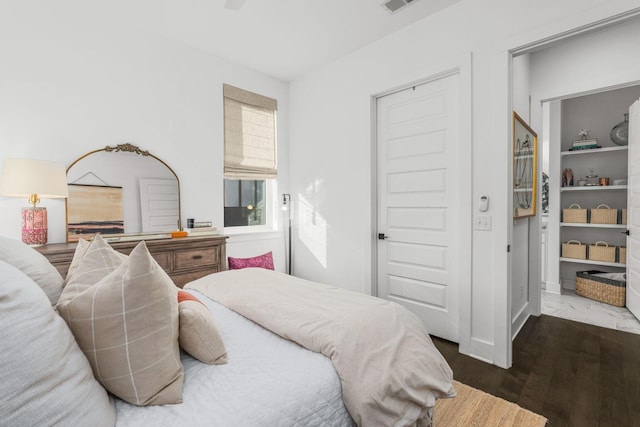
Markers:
<point>395,5</point>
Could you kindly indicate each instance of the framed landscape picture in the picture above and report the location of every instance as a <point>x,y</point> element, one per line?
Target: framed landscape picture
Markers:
<point>93,209</point>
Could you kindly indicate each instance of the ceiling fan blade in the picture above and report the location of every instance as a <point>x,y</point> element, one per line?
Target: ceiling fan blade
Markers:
<point>234,4</point>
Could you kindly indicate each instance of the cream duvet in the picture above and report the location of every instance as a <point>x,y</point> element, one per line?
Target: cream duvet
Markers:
<point>390,372</point>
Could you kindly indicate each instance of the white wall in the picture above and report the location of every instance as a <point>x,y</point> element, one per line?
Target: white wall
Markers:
<point>331,150</point>
<point>72,84</point>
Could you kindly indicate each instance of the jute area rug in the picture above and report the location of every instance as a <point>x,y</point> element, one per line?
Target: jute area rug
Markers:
<point>475,408</point>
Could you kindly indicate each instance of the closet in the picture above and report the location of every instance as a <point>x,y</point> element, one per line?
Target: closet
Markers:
<point>590,185</point>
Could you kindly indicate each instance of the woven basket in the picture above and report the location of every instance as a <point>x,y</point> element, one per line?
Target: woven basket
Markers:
<point>574,249</point>
<point>622,254</point>
<point>610,291</point>
<point>603,214</point>
<point>601,251</point>
<point>574,214</point>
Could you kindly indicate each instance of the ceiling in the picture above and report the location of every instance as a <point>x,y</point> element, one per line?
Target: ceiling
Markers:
<point>288,38</point>
<point>282,38</point>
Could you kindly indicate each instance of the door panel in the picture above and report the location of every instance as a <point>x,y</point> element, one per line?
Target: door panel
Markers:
<point>419,163</point>
<point>633,212</point>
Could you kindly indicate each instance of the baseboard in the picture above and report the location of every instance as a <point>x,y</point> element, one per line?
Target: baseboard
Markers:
<point>481,350</point>
<point>554,288</point>
<point>519,320</point>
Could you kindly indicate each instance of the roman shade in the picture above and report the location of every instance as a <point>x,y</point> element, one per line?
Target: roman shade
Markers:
<point>249,135</point>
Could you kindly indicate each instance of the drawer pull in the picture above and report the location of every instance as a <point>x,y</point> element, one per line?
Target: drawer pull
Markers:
<point>196,257</point>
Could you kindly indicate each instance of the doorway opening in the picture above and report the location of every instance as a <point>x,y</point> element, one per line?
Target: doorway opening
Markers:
<point>551,80</point>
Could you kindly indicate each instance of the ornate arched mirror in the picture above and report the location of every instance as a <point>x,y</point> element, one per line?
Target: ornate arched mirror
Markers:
<point>121,190</point>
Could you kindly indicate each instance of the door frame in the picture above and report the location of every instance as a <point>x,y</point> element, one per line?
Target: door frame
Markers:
<point>535,285</point>
<point>460,65</point>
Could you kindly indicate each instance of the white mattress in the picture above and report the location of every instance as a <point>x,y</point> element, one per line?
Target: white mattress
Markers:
<point>268,381</point>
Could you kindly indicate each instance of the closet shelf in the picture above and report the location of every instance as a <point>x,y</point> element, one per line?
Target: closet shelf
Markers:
<point>594,188</point>
<point>586,261</point>
<point>589,225</point>
<point>594,151</point>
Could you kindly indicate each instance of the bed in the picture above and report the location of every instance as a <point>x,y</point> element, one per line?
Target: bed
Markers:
<point>299,353</point>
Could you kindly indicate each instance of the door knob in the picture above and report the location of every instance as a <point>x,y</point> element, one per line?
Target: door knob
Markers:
<point>381,236</point>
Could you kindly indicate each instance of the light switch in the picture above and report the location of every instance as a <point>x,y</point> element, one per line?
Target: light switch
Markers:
<point>482,223</point>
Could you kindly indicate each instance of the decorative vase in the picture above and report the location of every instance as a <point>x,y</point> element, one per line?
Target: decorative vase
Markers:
<point>620,132</point>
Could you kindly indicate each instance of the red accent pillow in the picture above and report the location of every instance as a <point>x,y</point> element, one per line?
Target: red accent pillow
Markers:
<point>262,261</point>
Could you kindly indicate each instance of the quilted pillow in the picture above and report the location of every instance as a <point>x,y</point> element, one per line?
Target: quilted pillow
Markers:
<point>33,264</point>
<point>262,261</point>
<point>46,380</point>
<point>127,326</point>
<point>199,333</point>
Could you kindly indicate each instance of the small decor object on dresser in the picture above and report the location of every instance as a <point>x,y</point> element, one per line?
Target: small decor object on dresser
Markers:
<point>261,261</point>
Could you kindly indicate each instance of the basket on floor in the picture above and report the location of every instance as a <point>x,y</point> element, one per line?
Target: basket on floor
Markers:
<point>591,284</point>
<point>574,214</point>
<point>603,214</point>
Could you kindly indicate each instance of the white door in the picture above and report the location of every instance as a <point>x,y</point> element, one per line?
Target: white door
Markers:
<point>419,202</point>
<point>159,204</point>
<point>633,212</point>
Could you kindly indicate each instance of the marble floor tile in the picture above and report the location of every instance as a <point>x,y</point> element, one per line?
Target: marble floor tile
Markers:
<point>574,307</point>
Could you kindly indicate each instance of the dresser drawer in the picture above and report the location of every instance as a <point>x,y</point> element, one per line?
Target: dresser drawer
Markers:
<point>181,279</point>
<point>163,259</point>
<point>197,257</point>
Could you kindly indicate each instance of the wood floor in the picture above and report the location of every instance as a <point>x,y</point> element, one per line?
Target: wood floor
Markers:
<point>572,373</point>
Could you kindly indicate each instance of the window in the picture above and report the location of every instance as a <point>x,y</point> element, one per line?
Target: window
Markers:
<point>244,202</point>
<point>249,156</point>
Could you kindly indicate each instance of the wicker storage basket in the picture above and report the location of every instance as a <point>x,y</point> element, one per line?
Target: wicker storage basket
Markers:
<point>574,214</point>
<point>591,285</point>
<point>622,254</point>
<point>574,249</point>
<point>601,251</point>
<point>624,217</point>
<point>603,214</point>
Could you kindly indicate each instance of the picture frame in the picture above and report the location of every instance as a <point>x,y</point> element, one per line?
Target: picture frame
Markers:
<point>525,155</point>
<point>93,209</point>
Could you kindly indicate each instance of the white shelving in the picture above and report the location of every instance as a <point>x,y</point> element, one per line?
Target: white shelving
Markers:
<point>586,261</point>
<point>580,225</point>
<point>605,162</point>
<point>594,151</point>
<point>595,188</point>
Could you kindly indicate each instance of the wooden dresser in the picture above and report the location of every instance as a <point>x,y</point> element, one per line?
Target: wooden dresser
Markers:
<point>184,259</point>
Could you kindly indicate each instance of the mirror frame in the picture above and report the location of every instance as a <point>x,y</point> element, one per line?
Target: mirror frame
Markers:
<point>129,148</point>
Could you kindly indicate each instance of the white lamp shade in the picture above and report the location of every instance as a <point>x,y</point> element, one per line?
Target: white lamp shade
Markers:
<point>23,177</point>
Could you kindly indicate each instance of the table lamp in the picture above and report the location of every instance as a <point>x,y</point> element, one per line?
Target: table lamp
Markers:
<point>33,180</point>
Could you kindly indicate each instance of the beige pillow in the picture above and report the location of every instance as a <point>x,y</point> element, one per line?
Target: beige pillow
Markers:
<point>97,261</point>
<point>45,379</point>
<point>199,333</point>
<point>33,264</point>
<point>127,326</point>
<point>81,250</point>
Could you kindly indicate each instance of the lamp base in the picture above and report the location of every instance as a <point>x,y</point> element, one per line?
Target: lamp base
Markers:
<point>34,226</point>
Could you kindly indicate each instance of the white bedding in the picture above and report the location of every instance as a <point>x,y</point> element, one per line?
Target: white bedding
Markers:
<point>268,381</point>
